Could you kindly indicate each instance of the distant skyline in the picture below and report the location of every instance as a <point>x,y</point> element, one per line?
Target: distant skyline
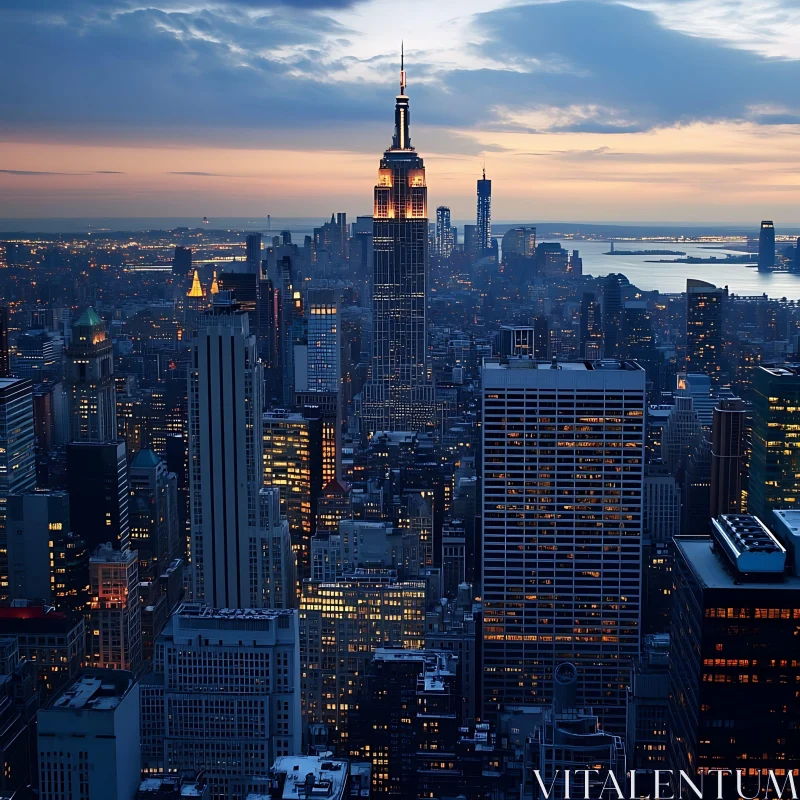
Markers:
<point>638,111</point>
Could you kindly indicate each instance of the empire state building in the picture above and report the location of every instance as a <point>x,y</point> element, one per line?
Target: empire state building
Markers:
<point>399,395</point>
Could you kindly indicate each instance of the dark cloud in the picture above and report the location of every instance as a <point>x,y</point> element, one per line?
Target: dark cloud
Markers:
<point>210,72</point>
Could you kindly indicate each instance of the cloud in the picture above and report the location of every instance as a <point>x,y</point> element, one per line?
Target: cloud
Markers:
<point>36,172</point>
<point>207,174</point>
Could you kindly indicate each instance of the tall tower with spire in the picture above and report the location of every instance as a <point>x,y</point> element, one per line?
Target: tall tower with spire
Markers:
<point>399,394</point>
<point>484,215</point>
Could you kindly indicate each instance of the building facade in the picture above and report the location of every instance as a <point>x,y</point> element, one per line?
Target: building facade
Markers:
<point>563,455</point>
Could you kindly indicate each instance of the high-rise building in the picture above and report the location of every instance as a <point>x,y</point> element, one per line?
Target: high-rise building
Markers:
<point>277,565</point>
<point>399,394</point>
<point>519,241</point>
<point>88,738</point>
<point>591,331</point>
<point>409,718</point>
<point>36,524</point>
<point>613,313</point>
<point>292,454</point>
<point>99,494</point>
<point>91,395</point>
<point>338,639</point>
<point>444,233</point>
<point>766,246</point>
<point>5,363</point>
<point>235,709</point>
<point>253,253</point>
<point>728,457</point>
<point>705,309</point>
<point>155,534</point>
<point>225,456</point>
<point>17,455</point>
<point>483,221</point>
<point>563,456</point>
<point>733,662</point>
<point>775,449</point>
<point>115,627</point>
<point>662,521</point>
<point>182,262</point>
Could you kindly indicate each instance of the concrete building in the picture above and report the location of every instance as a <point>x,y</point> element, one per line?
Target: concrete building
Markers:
<point>115,635</point>
<point>225,461</point>
<point>342,623</point>
<point>563,461</point>
<point>91,394</point>
<point>223,697</point>
<point>88,739</point>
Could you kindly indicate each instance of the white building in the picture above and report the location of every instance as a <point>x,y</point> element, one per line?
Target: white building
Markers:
<point>88,739</point>
<point>563,454</point>
<point>224,696</point>
<point>225,463</point>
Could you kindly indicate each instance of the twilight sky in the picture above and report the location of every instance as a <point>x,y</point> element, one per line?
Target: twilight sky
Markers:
<point>673,110</point>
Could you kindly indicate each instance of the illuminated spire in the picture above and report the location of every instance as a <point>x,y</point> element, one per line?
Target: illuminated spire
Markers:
<point>196,292</point>
<point>214,284</point>
<point>402,137</point>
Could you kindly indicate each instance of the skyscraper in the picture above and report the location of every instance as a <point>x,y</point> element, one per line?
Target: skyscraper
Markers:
<point>775,447</point>
<point>484,216</point>
<point>5,363</point>
<point>115,632</point>
<point>236,708</point>
<point>444,233</point>
<point>766,246</point>
<point>225,461</point>
<point>324,341</point>
<point>563,454</point>
<point>734,670</point>
<point>97,483</point>
<point>613,312</point>
<point>253,252</point>
<point>17,457</point>
<point>399,395</point>
<point>728,457</point>
<point>182,262</point>
<point>705,308</point>
<point>91,395</point>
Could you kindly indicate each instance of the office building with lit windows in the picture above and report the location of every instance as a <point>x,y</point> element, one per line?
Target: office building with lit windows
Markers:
<point>483,227</point>
<point>342,623</point>
<point>399,394</point>
<point>705,309</point>
<point>292,456</point>
<point>444,233</point>
<point>91,394</point>
<point>115,615</point>
<point>734,669</point>
<point>563,455</point>
<point>775,439</point>
<point>225,456</point>
<point>223,697</point>
<point>17,456</point>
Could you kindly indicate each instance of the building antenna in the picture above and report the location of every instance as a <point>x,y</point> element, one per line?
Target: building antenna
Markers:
<point>402,68</point>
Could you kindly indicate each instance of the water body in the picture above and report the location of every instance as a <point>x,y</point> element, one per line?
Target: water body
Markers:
<point>739,278</point>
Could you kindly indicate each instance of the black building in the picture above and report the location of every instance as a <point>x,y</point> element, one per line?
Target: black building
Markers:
<point>734,669</point>
<point>97,482</point>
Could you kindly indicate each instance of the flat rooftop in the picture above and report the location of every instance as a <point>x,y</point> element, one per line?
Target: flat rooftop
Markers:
<point>95,690</point>
<point>709,568</point>
<point>199,611</point>
<point>329,777</point>
<point>522,362</point>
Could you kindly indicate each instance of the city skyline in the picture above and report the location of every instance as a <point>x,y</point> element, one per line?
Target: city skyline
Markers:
<point>557,109</point>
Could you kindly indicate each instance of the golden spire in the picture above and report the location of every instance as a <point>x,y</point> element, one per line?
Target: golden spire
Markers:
<point>214,284</point>
<point>196,292</point>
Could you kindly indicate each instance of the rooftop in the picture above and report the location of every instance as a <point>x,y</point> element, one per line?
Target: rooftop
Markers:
<point>311,776</point>
<point>709,568</point>
<point>199,611</point>
<point>748,544</point>
<point>508,363</point>
<point>95,690</point>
